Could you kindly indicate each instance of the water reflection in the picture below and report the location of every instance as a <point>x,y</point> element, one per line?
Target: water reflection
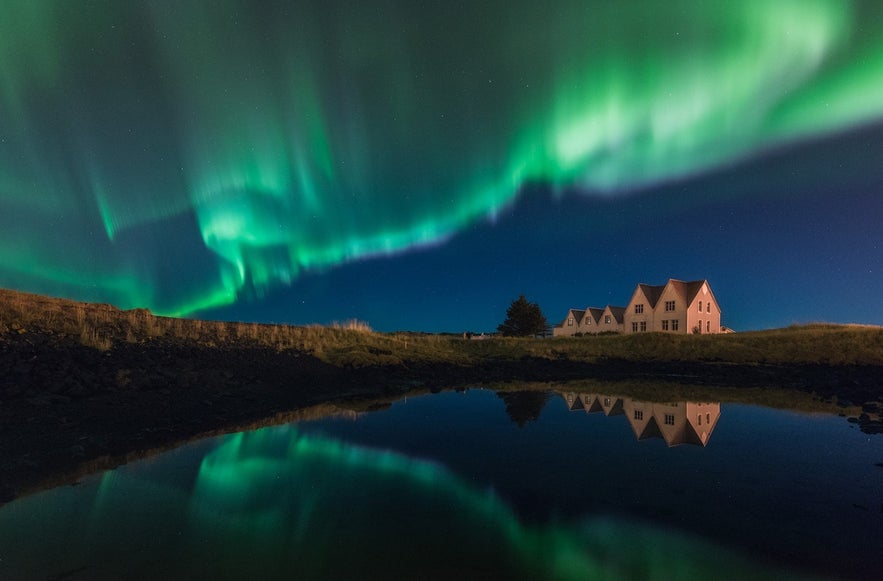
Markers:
<point>449,485</point>
<point>277,503</point>
<point>684,422</point>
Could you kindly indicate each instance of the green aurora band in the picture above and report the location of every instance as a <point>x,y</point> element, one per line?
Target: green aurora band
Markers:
<point>142,140</point>
<point>277,504</point>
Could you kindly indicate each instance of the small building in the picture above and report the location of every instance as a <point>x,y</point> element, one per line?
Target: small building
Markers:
<point>590,320</point>
<point>675,307</point>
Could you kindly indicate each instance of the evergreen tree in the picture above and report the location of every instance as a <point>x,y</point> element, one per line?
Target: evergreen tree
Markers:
<point>523,319</point>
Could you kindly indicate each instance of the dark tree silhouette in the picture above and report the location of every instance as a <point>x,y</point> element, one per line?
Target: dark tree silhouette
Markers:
<point>523,406</point>
<point>523,319</point>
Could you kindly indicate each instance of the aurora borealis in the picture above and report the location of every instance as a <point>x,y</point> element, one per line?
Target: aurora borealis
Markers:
<point>271,162</point>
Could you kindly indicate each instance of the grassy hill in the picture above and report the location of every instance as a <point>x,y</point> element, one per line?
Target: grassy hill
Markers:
<point>102,327</point>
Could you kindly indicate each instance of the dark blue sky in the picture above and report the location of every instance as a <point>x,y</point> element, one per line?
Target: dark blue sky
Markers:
<point>790,236</point>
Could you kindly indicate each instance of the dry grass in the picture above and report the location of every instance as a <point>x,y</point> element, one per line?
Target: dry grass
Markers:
<point>353,343</point>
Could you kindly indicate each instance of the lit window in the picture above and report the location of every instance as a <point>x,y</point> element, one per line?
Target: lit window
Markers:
<point>639,415</point>
<point>669,305</point>
<point>643,326</point>
<point>606,402</point>
<point>639,309</point>
<point>669,419</point>
<point>570,321</point>
<point>588,321</point>
<point>665,325</point>
<point>607,319</point>
<point>674,324</point>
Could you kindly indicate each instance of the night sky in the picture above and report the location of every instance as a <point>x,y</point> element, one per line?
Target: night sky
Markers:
<point>418,165</point>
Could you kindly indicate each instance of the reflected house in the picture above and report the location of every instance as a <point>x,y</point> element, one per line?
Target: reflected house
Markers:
<point>676,423</point>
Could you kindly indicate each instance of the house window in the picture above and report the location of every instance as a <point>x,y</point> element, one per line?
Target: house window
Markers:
<point>606,402</point>
<point>643,326</point>
<point>588,321</point>
<point>669,419</point>
<point>639,309</point>
<point>665,325</point>
<point>700,306</point>
<point>570,321</point>
<point>699,419</point>
<point>634,327</point>
<point>607,319</point>
<point>669,305</point>
<point>707,418</point>
<point>674,324</point>
<point>708,326</point>
<point>639,415</point>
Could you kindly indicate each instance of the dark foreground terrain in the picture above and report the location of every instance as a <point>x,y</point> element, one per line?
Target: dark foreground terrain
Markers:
<point>87,387</point>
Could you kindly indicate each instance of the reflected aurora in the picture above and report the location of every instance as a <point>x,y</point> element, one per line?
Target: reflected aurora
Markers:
<point>180,157</point>
<point>275,503</point>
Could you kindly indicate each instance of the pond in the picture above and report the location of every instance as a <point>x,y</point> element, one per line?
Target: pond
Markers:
<point>478,485</point>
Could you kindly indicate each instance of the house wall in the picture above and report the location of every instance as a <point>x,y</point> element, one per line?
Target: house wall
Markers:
<point>567,330</point>
<point>631,317</point>
<point>703,417</point>
<point>672,433</point>
<point>588,324</point>
<point>711,322</point>
<point>612,326</point>
<point>679,314</point>
<point>638,414</point>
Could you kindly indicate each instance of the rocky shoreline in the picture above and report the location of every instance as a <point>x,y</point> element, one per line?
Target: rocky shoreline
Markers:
<point>67,409</point>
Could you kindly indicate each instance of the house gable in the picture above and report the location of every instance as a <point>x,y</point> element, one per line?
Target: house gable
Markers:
<point>703,311</point>
<point>638,316</point>
<point>592,319</point>
<point>611,319</point>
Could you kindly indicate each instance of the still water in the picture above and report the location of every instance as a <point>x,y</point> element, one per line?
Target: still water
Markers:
<point>478,485</point>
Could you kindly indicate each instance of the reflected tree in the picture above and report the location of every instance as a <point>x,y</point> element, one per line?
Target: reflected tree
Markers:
<point>524,406</point>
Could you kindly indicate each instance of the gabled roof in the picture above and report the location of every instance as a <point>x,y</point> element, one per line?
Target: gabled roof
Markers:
<point>595,314</point>
<point>577,315</point>
<point>652,293</point>
<point>687,290</point>
<point>617,312</point>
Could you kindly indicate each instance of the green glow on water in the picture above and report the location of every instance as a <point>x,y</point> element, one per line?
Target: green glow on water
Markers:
<point>275,503</point>
<point>305,136</point>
